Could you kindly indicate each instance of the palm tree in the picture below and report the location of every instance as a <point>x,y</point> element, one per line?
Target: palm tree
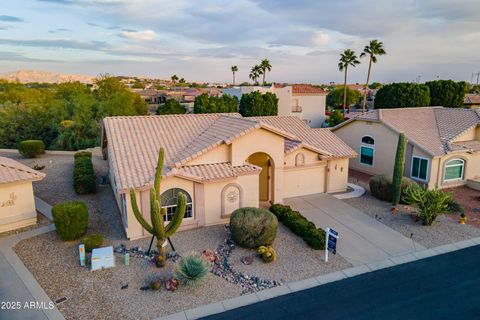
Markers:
<point>265,66</point>
<point>347,58</point>
<point>234,69</point>
<point>174,79</point>
<point>374,49</point>
<point>255,73</point>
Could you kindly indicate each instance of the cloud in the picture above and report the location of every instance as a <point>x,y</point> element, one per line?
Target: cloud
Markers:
<point>15,56</point>
<point>59,30</point>
<point>10,18</point>
<point>145,35</point>
<point>302,39</point>
<point>59,43</point>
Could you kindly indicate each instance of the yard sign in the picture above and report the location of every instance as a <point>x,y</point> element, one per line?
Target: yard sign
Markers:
<point>331,242</point>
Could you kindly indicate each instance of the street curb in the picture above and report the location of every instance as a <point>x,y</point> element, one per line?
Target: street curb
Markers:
<point>241,301</point>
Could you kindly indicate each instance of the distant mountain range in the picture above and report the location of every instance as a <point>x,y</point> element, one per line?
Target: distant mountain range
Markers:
<point>26,76</point>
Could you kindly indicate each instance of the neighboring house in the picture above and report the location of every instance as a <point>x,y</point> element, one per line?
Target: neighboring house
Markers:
<point>221,162</point>
<point>472,100</point>
<point>151,96</point>
<point>301,100</point>
<point>443,143</point>
<point>17,203</point>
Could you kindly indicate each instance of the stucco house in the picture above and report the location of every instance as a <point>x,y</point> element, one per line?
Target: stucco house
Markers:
<point>443,143</point>
<point>17,203</point>
<point>220,162</point>
<point>301,100</point>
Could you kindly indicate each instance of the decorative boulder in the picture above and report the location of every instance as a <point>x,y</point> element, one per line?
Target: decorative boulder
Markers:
<point>253,227</point>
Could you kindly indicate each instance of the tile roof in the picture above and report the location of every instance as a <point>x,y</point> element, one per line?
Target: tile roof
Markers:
<point>471,145</point>
<point>472,98</point>
<point>308,89</point>
<point>215,171</point>
<point>133,142</point>
<point>13,171</point>
<point>431,128</point>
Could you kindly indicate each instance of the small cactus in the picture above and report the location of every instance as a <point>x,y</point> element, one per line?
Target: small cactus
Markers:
<point>268,254</point>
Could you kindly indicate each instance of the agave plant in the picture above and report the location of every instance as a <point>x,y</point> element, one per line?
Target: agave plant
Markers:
<point>191,270</point>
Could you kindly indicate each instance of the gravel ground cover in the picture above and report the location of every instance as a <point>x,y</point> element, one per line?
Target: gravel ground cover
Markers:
<point>469,199</point>
<point>444,230</point>
<point>98,294</point>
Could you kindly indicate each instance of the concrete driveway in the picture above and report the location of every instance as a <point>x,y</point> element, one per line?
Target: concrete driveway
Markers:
<point>362,238</point>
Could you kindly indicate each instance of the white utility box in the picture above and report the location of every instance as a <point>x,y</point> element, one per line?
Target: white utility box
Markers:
<point>102,258</point>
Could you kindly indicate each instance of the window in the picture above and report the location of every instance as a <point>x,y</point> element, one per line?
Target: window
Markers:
<point>419,168</point>
<point>295,106</point>
<point>367,150</point>
<point>124,209</point>
<point>454,170</point>
<point>169,201</point>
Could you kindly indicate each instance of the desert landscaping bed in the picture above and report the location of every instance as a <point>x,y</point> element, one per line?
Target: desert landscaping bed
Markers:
<point>99,294</point>
<point>446,229</point>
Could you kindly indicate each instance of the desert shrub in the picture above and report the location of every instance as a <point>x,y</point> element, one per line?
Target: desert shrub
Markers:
<point>70,219</point>
<point>253,227</point>
<point>92,241</point>
<point>84,180</point>
<point>300,225</point>
<point>430,203</point>
<point>267,254</point>
<point>191,270</point>
<point>31,148</point>
<point>381,186</point>
<point>80,154</point>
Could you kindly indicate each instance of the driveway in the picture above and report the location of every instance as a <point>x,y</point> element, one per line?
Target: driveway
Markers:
<point>362,238</point>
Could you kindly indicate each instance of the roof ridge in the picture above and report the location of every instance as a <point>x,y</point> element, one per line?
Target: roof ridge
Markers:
<point>23,168</point>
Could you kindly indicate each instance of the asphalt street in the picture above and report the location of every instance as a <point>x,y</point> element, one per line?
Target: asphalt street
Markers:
<point>441,287</point>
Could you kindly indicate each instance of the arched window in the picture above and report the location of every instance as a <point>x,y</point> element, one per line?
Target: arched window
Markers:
<point>367,150</point>
<point>169,201</point>
<point>454,170</point>
<point>299,159</point>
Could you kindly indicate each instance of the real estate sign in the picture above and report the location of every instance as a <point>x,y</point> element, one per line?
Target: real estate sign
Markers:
<point>331,242</point>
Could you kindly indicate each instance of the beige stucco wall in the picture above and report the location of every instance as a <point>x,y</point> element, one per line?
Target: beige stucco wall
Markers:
<point>337,175</point>
<point>304,180</point>
<point>471,169</point>
<point>219,154</point>
<point>313,108</point>
<point>20,211</point>
<point>469,135</point>
<point>385,145</point>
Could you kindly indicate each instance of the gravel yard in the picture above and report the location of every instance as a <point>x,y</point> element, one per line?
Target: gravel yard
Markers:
<point>444,230</point>
<point>98,295</point>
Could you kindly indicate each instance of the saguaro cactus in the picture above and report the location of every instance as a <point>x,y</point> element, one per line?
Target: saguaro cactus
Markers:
<point>398,169</point>
<point>157,213</point>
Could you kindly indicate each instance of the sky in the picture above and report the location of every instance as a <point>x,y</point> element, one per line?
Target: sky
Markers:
<point>200,40</point>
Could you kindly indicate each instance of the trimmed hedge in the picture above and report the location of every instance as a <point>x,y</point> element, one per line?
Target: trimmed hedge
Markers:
<point>92,241</point>
<point>70,219</point>
<point>300,225</point>
<point>253,227</point>
<point>31,148</point>
<point>84,180</point>
<point>381,187</point>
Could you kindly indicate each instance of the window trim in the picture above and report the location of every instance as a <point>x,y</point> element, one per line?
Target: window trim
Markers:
<point>186,204</point>
<point>454,165</point>
<point>369,146</point>
<point>427,174</point>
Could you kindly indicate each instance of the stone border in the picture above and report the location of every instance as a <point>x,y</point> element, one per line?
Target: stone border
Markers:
<point>357,192</point>
<point>229,304</point>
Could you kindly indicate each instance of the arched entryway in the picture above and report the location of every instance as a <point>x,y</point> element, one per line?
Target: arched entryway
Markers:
<point>266,177</point>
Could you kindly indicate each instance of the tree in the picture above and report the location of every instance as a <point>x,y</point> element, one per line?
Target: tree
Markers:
<point>335,97</point>
<point>372,50</point>
<point>234,69</point>
<point>336,117</point>
<point>447,93</point>
<point>174,79</point>
<point>402,95</point>
<point>212,104</point>
<point>398,169</point>
<point>172,106</point>
<point>257,104</point>
<point>347,58</point>
<point>375,85</point>
<point>255,73</point>
<point>157,214</point>
<point>264,67</point>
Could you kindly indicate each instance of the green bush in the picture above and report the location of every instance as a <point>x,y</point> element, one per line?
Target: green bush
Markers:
<point>402,95</point>
<point>31,148</point>
<point>191,270</point>
<point>381,186</point>
<point>92,241</point>
<point>300,225</point>
<point>81,154</point>
<point>430,203</point>
<point>70,219</point>
<point>253,227</point>
<point>84,180</point>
